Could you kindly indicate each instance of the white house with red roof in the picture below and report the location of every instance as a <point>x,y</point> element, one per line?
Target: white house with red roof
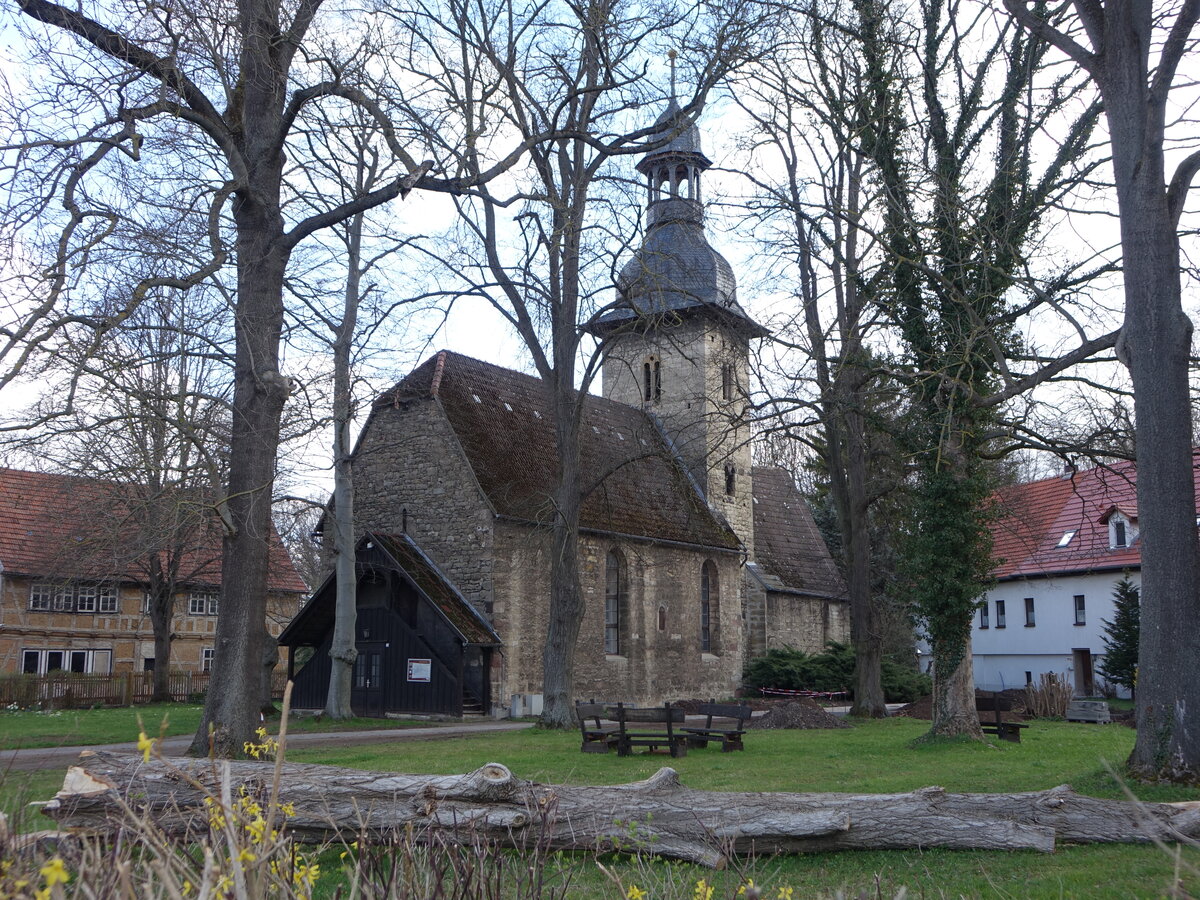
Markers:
<point>1062,543</point>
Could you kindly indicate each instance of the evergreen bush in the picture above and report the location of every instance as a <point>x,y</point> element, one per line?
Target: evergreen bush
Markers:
<point>790,669</point>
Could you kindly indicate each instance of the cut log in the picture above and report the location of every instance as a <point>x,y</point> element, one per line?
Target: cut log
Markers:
<point>658,816</point>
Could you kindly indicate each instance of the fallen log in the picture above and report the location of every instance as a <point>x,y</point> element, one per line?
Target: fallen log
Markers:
<point>658,816</point>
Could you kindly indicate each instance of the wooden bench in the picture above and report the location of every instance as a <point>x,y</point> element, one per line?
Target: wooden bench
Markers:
<point>728,728</point>
<point>596,726</point>
<point>633,729</point>
<point>995,704</point>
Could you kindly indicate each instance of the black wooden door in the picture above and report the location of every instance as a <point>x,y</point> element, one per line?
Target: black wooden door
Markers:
<point>366,694</point>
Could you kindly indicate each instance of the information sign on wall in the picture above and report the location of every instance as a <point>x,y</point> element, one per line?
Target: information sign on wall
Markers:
<point>419,669</point>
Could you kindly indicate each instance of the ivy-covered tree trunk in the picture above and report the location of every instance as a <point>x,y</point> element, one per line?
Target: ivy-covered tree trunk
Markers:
<point>961,201</point>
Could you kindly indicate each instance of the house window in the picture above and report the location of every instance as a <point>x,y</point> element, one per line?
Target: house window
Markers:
<point>1029,617</point>
<point>983,616</point>
<point>726,382</point>
<point>710,607</point>
<point>106,600</point>
<point>206,659</point>
<point>1080,610</point>
<point>730,479</point>
<point>40,594</point>
<point>62,598</point>
<point>1000,623</point>
<point>612,603</point>
<point>202,603</point>
<point>85,598</point>
<point>1118,534</point>
<point>81,662</point>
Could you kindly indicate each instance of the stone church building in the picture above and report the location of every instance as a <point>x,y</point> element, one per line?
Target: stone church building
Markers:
<point>693,560</point>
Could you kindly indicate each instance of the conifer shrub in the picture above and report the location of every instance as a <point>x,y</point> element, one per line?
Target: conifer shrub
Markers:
<point>790,669</point>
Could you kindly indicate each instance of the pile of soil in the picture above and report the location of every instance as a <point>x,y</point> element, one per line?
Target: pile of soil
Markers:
<point>923,708</point>
<point>803,713</point>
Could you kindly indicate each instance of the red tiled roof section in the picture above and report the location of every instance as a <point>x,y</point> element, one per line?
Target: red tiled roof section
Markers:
<point>62,526</point>
<point>504,423</point>
<point>1033,520</point>
<point>787,543</point>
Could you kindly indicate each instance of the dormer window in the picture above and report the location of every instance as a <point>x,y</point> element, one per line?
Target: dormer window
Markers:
<point>1122,527</point>
<point>1116,533</point>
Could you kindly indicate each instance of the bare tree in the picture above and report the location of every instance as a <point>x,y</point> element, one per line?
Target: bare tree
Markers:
<point>196,103</point>
<point>578,71</point>
<point>1132,52</point>
<point>811,197</point>
<point>146,421</point>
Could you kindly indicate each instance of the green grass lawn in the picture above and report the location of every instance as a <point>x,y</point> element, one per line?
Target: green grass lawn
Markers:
<point>872,757</point>
<point>21,729</point>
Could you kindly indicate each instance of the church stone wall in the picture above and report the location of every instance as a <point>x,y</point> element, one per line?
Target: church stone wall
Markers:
<point>805,623</point>
<point>653,664</point>
<point>409,459</point>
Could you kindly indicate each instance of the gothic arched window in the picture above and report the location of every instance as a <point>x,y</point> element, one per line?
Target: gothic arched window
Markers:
<point>612,603</point>
<point>710,607</point>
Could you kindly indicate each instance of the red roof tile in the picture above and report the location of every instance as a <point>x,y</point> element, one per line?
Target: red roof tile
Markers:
<point>70,527</point>
<point>1034,519</point>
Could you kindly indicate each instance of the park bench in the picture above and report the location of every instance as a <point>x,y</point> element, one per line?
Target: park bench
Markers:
<point>724,722</point>
<point>596,725</point>
<point>652,727</point>
<point>996,704</point>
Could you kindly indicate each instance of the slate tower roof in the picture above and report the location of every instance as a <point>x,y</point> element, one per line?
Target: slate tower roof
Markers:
<point>676,272</point>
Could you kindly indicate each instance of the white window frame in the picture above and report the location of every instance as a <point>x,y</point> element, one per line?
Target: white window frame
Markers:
<point>206,659</point>
<point>40,596</point>
<point>1080,604</point>
<point>96,661</point>
<point>203,603</point>
<point>86,596</point>
<point>107,600</point>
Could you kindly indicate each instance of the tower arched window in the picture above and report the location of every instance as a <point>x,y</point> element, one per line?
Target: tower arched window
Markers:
<point>710,607</point>
<point>613,603</point>
<point>652,379</point>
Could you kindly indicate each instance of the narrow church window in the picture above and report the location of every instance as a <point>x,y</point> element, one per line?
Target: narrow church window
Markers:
<point>709,607</point>
<point>730,478</point>
<point>726,382</point>
<point>662,618</point>
<point>651,380</point>
<point>612,603</point>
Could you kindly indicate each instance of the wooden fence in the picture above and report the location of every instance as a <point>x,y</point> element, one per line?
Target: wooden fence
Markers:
<point>64,690</point>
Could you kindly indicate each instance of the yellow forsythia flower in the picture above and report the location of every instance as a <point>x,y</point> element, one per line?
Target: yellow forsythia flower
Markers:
<point>146,745</point>
<point>55,872</point>
<point>634,893</point>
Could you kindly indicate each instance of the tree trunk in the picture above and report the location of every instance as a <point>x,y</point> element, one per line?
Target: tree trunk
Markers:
<point>162,604</point>
<point>954,693</point>
<point>706,827</point>
<point>343,651</point>
<point>566,599</point>
<point>1155,344</point>
<point>869,700</point>
<point>231,709</point>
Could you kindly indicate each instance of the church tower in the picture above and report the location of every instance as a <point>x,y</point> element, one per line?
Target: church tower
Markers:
<point>678,342</point>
